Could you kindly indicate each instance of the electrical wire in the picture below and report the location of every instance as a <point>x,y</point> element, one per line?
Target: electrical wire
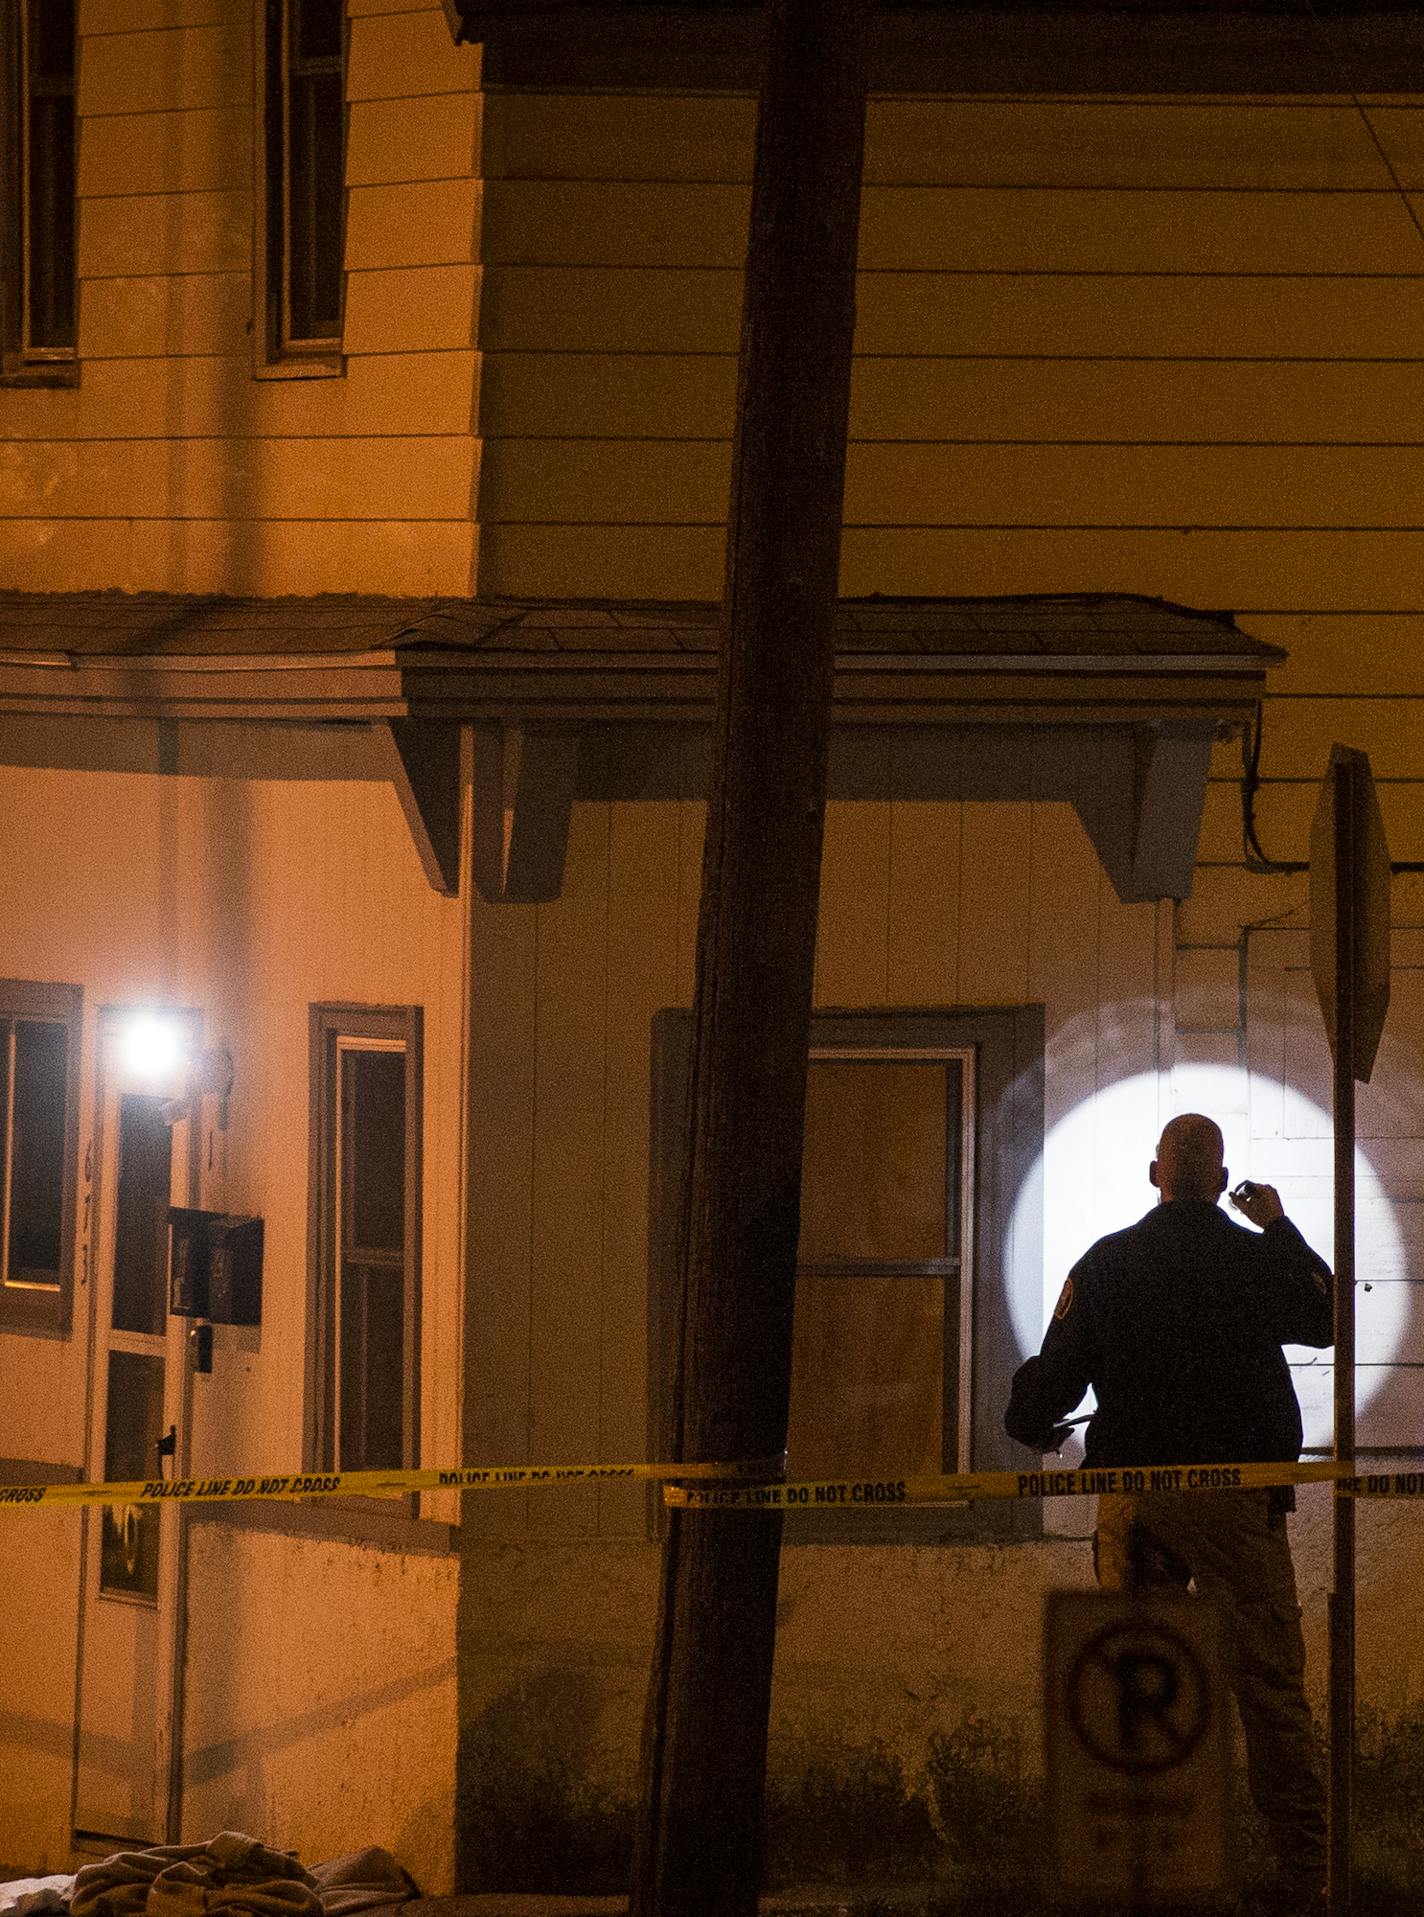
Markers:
<point>1256,859</point>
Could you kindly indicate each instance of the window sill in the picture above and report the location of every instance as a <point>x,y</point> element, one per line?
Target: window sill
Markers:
<point>303,366</point>
<point>388,1525</point>
<point>41,373</point>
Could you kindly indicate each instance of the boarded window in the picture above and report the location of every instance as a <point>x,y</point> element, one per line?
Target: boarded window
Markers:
<point>923,1131</point>
<point>304,141</point>
<point>39,1042</point>
<point>366,1206</point>
<point>38,286</point>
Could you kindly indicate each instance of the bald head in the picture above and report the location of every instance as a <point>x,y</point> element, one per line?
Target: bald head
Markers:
<point>1189,1160</point>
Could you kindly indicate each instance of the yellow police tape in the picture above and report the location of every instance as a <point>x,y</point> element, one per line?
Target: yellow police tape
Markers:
<point>748,1486</point>
<point>869,1494</point>
<point>362,1484</point>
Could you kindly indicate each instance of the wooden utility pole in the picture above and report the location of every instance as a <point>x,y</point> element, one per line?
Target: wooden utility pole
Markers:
<point>699,1840</point>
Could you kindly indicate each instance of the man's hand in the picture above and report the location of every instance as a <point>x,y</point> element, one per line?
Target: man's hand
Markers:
<point>1261,1204</point>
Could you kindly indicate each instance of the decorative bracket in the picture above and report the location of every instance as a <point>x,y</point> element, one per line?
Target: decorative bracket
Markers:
<point>523,793</point>
<point>425,770</point>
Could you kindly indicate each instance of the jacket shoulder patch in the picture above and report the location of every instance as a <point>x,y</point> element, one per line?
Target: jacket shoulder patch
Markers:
<point>1065,1300</point>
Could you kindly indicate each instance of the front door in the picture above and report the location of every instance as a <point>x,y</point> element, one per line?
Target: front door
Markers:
<point>130,1641</point>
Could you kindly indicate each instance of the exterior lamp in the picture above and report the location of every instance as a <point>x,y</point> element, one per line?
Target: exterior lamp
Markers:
<point>154,1046</point>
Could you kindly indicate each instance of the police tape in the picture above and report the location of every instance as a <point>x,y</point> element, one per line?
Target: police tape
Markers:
<point>289,1486</point>
<point>747,1486</point>
<point>874,1494</point>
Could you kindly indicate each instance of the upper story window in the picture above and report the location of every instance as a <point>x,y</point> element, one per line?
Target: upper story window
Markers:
<point>39,1069</point>
<point>366,1234</point>
<point>304,142</point>
<point>919,1225</point>
<point>38,299</point>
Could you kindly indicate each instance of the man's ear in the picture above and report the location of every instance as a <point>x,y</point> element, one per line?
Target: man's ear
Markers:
<point>1225,1181</point>
<point>1152,1177</point>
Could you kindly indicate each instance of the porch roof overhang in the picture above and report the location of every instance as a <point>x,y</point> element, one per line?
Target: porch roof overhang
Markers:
<point>1161,682</point>
<point>1094,657</point>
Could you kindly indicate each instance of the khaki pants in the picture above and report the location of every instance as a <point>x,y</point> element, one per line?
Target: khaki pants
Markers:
<point>1234,1550</point>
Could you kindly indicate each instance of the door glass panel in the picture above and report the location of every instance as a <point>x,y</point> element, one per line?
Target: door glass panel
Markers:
<point>129,1549</point>
<point>372,1366</point>
<point>141,1223</point>
<point>874,1183</point>
<point>37,1164</point>
<point>374,1135</point>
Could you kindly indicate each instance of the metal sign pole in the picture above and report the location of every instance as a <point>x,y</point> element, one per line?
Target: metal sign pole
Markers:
<point>1342,1600</point>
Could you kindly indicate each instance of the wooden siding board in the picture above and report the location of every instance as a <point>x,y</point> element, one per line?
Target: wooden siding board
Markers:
<point>1183,488</point>
<point>252,556</point>
<point>1176,143</point>
<point>387,479</point>
<point>1250,572</point>
<point>411,309</point>
<point>853,930</point>
<point>197,150</point>
<point>997,850</point>
<point>415,223</point>
<point>434,138</point>
<point>408,395</point>
<point>1331,654</point>
<point>1206,316</point>
<point>125,236</point>
<point>568,1174</point>
<point>1204,402</point>
<point>618,222</point>
<point>925,876</point>
<point>608,395</point>
<point>640,978</point>
<point>165,69</point>
<point>498,1359</point>
<point>150,316</point>
<point>400,55</point>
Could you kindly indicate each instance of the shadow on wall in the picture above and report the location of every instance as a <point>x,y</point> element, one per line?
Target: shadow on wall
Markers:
<point>530,1821</point>
<point>966,1835</point>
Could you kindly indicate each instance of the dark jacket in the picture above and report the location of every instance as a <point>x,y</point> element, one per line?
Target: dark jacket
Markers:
<point>1177,1324</point>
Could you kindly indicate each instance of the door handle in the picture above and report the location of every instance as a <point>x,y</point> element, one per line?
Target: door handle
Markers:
<point>166,1447</point>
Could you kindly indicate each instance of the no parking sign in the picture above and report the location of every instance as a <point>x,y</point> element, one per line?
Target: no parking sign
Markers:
<point>1137,1746</point>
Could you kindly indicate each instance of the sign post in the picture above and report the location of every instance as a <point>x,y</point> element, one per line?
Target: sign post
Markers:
<point>1349,953</point>
<point>1138,1752</point>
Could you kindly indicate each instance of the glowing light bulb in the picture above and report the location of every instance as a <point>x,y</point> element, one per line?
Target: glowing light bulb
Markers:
<point>153,1046</point>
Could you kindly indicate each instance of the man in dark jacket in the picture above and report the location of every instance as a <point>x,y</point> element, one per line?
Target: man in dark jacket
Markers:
<point>1177,1325</point>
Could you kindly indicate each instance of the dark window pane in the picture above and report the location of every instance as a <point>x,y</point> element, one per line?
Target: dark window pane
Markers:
<point>141,1224</point>
<point>875,1165</point>
<point>129,1551</point>
<point>867,1385</point>
<point>51,223</point>
<point>51,38</point>
<point>373,1209</point>
<point>316,29</point>
<point>37,1177</point>
<point>317,174</point>
<point>372,1367</point>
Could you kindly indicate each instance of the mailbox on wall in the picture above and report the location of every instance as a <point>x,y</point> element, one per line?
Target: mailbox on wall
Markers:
<point>215,1270</point>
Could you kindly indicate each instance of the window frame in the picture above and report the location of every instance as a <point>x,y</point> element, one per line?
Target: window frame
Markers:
<point>329,1024</point>
<point>1003,1235</point>
<point>279,356</point>
<point>23,363</point>
<point>36,1311</point>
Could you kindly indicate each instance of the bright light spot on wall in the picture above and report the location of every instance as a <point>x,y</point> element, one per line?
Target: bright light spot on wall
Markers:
<point>153,1047</point>
<point>1095,1160</point>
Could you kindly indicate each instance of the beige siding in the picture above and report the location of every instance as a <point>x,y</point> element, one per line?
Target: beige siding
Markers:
<point>249,902</point>
<point>1159,346</point>
<point>172,466</point>
<point>922,903</point>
